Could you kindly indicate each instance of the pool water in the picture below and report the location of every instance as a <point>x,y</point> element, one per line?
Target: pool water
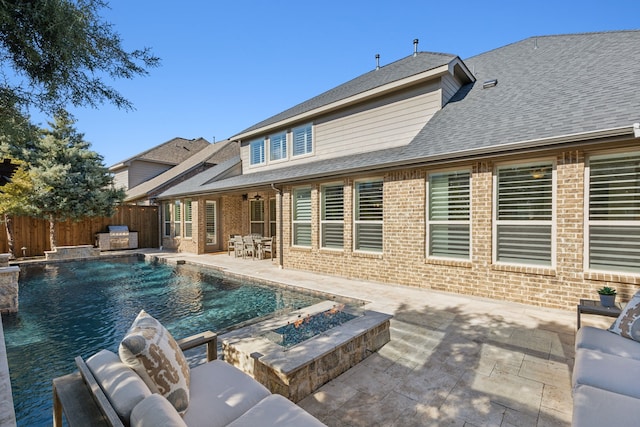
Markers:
<point>78,308</point>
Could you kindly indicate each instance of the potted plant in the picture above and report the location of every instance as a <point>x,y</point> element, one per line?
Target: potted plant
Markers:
<point>607,296</point>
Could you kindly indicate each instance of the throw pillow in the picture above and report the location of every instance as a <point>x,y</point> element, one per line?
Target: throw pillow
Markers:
<point>628,323</point>
<point>150,350</point>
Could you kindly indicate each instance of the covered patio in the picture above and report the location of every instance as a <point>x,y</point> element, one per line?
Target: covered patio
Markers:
<point>453,359</point>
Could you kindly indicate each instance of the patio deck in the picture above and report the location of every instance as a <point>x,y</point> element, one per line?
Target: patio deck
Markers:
<point>453,360</point>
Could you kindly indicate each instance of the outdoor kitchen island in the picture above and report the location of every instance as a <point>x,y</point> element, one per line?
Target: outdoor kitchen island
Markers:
<point>299,370</point>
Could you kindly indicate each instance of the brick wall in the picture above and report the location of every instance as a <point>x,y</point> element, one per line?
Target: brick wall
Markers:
<point>404,256</point>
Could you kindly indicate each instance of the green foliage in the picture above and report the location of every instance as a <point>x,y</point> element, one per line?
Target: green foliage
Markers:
<point>60,52</point>
<point>15,196</point>
<point>70,180</point>
<point>606,290</point>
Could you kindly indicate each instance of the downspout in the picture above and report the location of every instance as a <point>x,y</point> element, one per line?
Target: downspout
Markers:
<point>280,234</point>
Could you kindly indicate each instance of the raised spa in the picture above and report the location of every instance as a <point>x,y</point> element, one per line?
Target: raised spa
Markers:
<point>297,370</point>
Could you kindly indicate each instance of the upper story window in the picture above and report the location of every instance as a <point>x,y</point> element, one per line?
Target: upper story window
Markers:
<point>524,214</point>
<point>613,224</point>
<point>302,140</point>
<point>448,214</point>
<point>257,152</point>
<point>278,146</point>
<point>368,216</point>
<point>301,217</point>
<point>332,216</point>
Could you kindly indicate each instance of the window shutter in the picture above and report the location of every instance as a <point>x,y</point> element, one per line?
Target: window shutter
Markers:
<point>302,141</point>
<point>278,146</point>
<point>614,213</point>
<point>302,217</point>
<point>368,216</point>
<point>524,214</point>
<point>333,217</point>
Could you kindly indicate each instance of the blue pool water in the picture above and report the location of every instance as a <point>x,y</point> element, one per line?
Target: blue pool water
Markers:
<point>77,308</point>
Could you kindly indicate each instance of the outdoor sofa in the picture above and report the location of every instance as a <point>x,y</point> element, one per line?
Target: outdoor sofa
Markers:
<point>606,373</point>
<point>153,393</point>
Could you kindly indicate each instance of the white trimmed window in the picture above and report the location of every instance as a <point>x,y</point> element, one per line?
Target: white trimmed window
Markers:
<point>278,146</point>
<point>301,217</point>
<point>256,214</point>
<point>525,214</point>
<point>210,214</point>
<point>302,140</point>
<point>368,214</point>
<point>257,152</point>
<point>332,216</point>
<point>177,218</point>
<point>188,219</point>
<point>272,217</point>
<point>613,227</point>
<point>166,213</point>
<point>448,218</point>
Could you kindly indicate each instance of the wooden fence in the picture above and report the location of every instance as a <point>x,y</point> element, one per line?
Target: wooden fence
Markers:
<point>33,234</point>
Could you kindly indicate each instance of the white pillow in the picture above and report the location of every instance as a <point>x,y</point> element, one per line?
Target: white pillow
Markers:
<point>155,411</point>
<point>150,350</point>
<point>123,387</point>
<point>628,323</point>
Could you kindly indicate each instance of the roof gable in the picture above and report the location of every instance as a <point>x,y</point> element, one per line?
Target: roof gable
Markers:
<point>172,152</point>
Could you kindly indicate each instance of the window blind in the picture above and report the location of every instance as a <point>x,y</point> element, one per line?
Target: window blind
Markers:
<point>302,140</point>
<point>302,217</point>
<point>368,216</point>
<point>332,216</point>
<point>278,144</point>
<point>448,219</point>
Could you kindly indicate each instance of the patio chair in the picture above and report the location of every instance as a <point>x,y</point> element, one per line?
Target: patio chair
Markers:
<point>248,247</point>
<point>238,246</point>
<point>268,245</point>
<point>231,244</point>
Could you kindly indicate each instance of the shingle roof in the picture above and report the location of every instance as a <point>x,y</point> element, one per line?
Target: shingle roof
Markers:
<point>392,72</point>
<point>547,87</point>
<point>204,156</point>
<point>172,152</point>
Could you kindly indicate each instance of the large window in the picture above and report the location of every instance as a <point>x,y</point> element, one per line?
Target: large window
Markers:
<point>613,230</point>
<point>211,233</point>
<point>257,216</point>
<point>257,152</point>
<point>278,146</point>
<point>448,215</point>
<point>332,217</point>
<point>177,218</point>
<point>524,214</point>
<point>302,140</point>
<point>368,216</point>
<point>188,219</point>
<point>166,213</point>
<point>272,217</point>
<point>301,213</point>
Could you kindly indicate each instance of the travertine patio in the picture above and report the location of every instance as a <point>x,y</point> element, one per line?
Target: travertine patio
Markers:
<point>453,360</point>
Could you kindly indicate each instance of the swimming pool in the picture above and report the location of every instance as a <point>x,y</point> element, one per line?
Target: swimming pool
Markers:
<point>77,308</point>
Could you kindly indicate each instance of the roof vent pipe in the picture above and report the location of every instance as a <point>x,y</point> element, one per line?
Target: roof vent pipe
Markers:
<point>377,61</point>
<point>415,47</point>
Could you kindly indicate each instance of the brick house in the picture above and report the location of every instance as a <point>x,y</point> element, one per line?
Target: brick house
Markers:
<point>514,174</point>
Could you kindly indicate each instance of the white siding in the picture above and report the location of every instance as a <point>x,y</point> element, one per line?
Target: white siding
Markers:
<point>140,172</point>
<point>388,122</point>
<point>450,85</point>
<point>121,179</point>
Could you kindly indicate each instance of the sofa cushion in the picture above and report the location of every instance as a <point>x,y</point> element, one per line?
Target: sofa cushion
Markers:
<point>155,411</point>
<point>123,387</point>
<point>276,411</point>
<point>606,342</point>
<point>628,323</point>
<point>220,393</point>
<point>595,407</point>
<point>606,371</point>
<point>152,352</point>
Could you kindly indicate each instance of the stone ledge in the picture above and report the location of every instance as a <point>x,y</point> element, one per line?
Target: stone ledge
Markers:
<point>72,252</point>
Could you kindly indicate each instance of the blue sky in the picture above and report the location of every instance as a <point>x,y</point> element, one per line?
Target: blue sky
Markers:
<point>227,65</point>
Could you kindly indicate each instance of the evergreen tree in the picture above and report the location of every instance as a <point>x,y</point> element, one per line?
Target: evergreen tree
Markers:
<point>70,180</point>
